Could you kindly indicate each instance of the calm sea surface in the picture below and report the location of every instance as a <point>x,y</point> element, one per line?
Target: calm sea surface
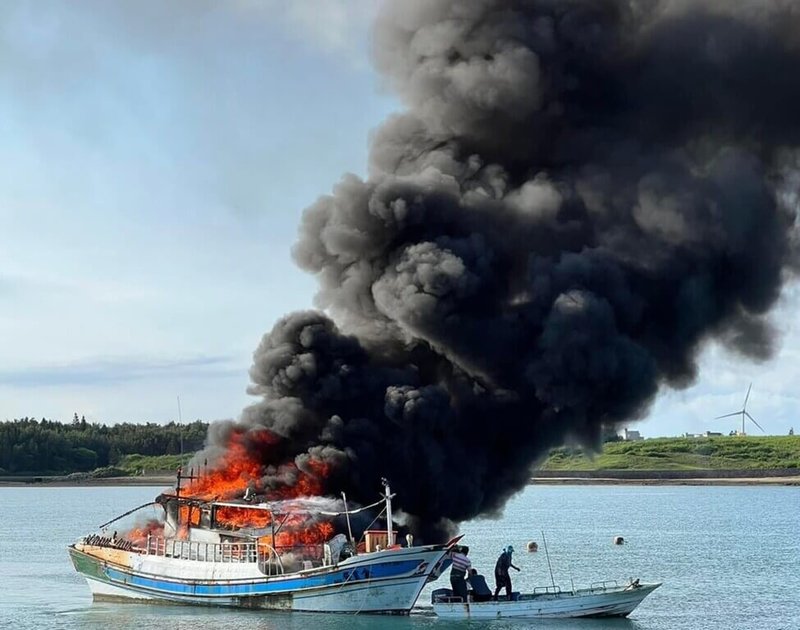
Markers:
<point>729,558</point>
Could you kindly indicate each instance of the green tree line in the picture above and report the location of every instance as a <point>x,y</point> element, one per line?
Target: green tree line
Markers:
<point>30,446</point>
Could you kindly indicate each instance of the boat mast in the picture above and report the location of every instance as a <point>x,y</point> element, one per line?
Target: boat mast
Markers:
<point>388,496</point>
<point>549,566</point>
<point>347,516</point>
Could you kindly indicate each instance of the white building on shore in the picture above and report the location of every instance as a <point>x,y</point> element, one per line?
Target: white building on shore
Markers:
<point>631,436</point>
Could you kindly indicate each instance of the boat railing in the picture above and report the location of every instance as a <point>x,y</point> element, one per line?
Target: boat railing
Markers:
<point>445,596</point>
<point>551,590</point>
<point>202,551</point>
<point>449,599</point>
<point>604,585</point>
<point>269,562</point>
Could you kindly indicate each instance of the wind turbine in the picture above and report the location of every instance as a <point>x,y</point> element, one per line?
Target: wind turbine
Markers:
<point>743,412</point>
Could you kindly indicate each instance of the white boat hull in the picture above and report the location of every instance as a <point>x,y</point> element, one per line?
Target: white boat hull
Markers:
<point>602,602</point>
<point>383,582</point>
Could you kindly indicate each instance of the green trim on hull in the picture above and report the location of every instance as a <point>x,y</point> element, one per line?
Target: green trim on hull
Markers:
<point>87,565</point>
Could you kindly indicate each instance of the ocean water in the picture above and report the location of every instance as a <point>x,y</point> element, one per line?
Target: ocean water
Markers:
<point>729,558</point>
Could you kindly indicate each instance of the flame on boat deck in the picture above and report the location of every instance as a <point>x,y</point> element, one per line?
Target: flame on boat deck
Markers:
<point>248,462</point>
<point>139,535</point>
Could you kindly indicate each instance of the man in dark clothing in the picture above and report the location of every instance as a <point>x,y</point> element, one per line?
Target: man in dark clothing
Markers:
<point>480,590</point>
<point>501,577</point>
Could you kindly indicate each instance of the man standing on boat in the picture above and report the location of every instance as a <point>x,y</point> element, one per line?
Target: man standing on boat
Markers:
<point>501,576</point>
<point>458,573</point>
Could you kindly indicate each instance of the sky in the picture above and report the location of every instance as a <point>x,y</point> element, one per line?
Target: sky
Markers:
<point>155,161</point>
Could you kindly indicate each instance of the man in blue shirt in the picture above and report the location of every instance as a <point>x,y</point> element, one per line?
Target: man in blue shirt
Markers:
<point>480,590</point>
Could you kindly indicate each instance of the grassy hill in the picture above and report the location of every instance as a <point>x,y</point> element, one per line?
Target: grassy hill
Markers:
<point>737,453</point>
<point>725,452</point>
<point>683,454</point>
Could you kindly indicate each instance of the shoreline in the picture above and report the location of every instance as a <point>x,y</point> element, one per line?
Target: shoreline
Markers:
<point>603,478</point>
<point>672,477</point>
<point>45,482</point>
<point>661,481</point>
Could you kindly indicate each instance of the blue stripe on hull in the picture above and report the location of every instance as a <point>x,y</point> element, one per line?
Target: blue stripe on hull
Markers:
<point>368,585</point>
<point>298,602</point>
<point>366,574</point>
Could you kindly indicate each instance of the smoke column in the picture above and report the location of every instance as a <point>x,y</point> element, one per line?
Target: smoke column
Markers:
<point>578,195</point>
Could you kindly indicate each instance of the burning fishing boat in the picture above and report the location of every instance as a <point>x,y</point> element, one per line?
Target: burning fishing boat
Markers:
<point>282,554</point>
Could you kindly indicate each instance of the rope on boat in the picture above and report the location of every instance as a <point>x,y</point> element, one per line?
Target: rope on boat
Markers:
<point>361,509</point>
<point>369,575</point>
<point>364,533</point>
<point>274,507</point>
<point>369,578</point>
<point>114,520</point>
<point>295,510</point>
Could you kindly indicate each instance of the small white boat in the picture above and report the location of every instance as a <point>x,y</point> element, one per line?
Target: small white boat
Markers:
<point>604,599</point>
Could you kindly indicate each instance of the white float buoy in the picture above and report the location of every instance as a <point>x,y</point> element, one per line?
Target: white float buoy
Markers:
<point>619,540</point>
<point>532,546</point>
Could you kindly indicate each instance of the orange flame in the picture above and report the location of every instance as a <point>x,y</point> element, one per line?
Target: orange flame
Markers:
<point>315,534</point>
<point>295,529</point>
<point>248,460</point>
<point>304,539</point>
<point>233,473</point>
<point>244,463</point>
<point>243,517</point>
<point>138,535</point>
<point>189,515</point>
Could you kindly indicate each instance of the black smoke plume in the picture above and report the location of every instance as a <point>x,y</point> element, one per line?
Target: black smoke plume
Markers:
<point>578,195</point>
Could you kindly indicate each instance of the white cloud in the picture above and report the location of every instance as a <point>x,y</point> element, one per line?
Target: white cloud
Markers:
<point>333,25</point>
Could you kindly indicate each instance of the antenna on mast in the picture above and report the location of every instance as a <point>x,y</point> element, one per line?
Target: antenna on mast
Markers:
<point>180,423</point>
<point>388,496</point>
